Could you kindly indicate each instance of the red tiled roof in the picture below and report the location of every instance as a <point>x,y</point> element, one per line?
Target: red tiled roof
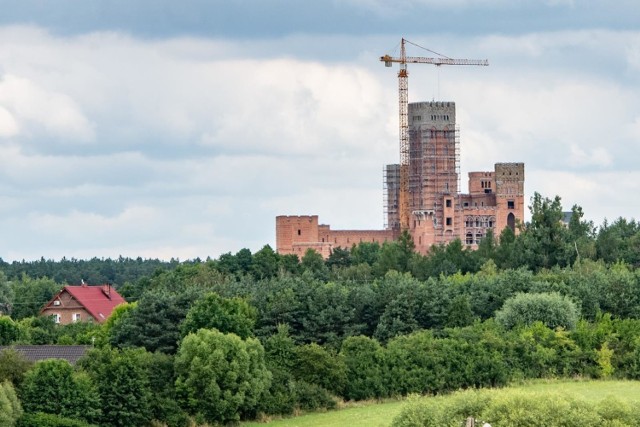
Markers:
<point>99,301</point>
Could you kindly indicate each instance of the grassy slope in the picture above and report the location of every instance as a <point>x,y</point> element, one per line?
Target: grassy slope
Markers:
<point>378,415</point>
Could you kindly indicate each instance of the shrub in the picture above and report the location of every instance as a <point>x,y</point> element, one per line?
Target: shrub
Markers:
<point>525,409</point>
<point>364,359</point>
<point>53,387</point>
<point>220,377</point>
<point>40,419</point>
<point>13,366</point>
<point>228,315</point>
<point>516,408</point>
<point>552,309</point>
<point>318,366</point>
<point>311,397</point>
<point>10,408</point>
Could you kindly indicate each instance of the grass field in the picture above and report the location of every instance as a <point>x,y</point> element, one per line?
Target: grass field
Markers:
<point>379,415</point>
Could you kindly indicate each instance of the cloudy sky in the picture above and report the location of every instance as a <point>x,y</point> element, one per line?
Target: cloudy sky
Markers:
<point>180,129</point>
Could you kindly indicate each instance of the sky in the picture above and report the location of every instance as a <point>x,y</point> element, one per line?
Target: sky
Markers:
<point>165,129</point>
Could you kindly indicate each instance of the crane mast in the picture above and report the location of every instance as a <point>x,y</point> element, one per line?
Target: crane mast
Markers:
<point>403,107</point>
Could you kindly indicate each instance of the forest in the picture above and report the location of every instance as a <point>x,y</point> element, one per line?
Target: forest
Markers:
<point>251,335</point>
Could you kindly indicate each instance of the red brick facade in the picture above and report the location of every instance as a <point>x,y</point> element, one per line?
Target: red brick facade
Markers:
<point>82,303</point>
<point>439,213</point>
<point>296,234</point>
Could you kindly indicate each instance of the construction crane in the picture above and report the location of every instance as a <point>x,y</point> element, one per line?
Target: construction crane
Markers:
<point>403,104</point>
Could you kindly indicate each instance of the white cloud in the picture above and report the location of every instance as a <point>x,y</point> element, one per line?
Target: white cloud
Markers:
<point>190,147</point>
<point>29,105</point>
<point>8,124</point>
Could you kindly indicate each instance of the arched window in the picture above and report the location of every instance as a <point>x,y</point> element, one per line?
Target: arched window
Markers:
<point>511,221</point>
<point>469,239</point>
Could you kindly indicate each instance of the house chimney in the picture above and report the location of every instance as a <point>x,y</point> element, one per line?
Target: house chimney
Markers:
<point>106,289</point>
<point>83,284</point>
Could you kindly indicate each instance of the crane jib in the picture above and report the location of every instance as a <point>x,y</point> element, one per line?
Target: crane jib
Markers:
<point>435,61</point>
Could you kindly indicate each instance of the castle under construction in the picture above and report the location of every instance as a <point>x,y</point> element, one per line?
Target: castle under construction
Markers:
<point>438,212</point>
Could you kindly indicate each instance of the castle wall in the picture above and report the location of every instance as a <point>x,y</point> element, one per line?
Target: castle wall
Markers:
<point>509,178</point>
<point>439,212</point>
<point>296,234</point>
<point>295,230</point>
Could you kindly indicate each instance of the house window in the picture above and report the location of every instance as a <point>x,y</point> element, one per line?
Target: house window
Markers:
<point>511,204</point>
<point>76,317</point>
<point>449,220</point>
<point>299,232</point>
<point>448,203</point>
<point>469,239</point>
<point>56,318</point>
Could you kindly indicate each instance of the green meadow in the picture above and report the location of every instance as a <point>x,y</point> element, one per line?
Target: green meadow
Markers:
<point>382,414</point>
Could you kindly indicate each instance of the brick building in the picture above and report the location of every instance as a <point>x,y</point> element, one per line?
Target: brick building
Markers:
<point>440,213</point>
<point>82,303</point>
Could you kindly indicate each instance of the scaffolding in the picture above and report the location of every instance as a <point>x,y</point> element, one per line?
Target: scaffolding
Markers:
<point>434,168</point>
<point>391,196</point>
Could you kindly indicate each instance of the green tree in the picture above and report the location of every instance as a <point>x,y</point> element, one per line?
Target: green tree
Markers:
<point>546,240</point>
<point>313,262</point>
<point>122,381</point>
<point>220,377</point>
<point>280,358</point>
<point>289,263</point>
<point>265,263</point>
<point>315,365</point>
<point>53,387</point>
<point>582,234</point>
<point>364,359</point>
<point>339,258</point>
<point>459,313</point>
<point>30,295</point>
<point>38,330</point>
<point>10,408</point>
<point>13,366</point>
<point>154,323</point>
<point>365,253</point>
<point>552,309</point>
<point>6,295</point>
<point>618,241</point>
<point>9,331</point>
<point>228,315</point>
<point>395,255</point>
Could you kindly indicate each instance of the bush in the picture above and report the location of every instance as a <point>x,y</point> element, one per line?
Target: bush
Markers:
<point>53,387</point>
<point>220,377</point>
<point>40,419</point>
<point>228,315</point>
<point>525,409</point>
<point>9,330</point>
<point>364,359</point>
<point>552,309</point>
<point>318,366</point>
<point>10,409</point>
<point>13,366</point>
<point>311,397</point>
<point>516,408</point>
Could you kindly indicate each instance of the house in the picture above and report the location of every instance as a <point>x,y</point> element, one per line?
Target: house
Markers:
<point>34,353</point>
<point>82,303</point>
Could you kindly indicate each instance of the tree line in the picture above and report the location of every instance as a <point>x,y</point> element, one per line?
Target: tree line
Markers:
<point>223,340</point>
